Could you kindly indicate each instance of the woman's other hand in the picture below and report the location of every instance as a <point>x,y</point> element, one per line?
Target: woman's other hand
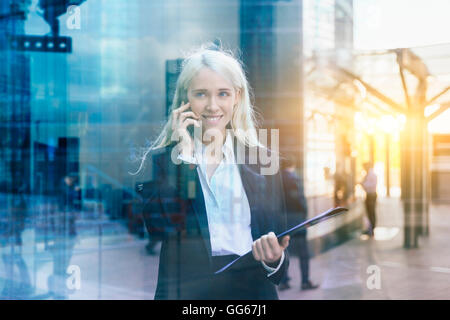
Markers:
<point>268,249</point>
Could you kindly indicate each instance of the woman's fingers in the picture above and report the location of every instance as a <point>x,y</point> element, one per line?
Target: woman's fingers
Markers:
<point>185,115</point>
<point>181,119</point>
<point>258,252</point>
<point>183,107</point>
<point>268,249</point>
<point>274,245</point>
<point>285,242</point>
<point>255,252</point>
<point>176,113</point>
<point>269,252</point>
<point>188,122</point>
<point>260,249</point>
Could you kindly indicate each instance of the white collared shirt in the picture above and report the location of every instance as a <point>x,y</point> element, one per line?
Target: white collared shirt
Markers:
<point>226,203</point>
<point>370,182</point>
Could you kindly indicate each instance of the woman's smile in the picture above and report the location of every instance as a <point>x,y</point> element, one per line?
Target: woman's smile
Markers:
<point>212,119</point>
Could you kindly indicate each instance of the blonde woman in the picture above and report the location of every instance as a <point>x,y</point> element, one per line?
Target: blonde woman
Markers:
<point>209,202</point>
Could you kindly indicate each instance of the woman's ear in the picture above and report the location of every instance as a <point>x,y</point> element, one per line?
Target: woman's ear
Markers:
<point>238,96</point>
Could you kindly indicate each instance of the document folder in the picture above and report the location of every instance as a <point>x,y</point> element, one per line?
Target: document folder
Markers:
<point>292,231</point>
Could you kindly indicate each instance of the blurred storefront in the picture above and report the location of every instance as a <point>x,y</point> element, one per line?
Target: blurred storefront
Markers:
<point>440,168</point>
<point>331,150</point>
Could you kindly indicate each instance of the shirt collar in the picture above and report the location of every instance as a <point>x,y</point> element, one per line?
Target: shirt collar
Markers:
<point>227,149</point>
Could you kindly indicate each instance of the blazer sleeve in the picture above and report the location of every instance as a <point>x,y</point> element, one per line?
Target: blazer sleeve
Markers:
<point>157,222</point>
<point>279,208</point>
<point>276,277</point>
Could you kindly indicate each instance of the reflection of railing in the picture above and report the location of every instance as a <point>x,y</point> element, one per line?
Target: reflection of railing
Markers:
<point>122,204</point>
<point>113,181</point>
<point>41,210</point>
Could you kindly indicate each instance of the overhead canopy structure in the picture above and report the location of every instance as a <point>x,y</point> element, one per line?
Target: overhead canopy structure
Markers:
<point>399,81</point>
<point>51,11</point>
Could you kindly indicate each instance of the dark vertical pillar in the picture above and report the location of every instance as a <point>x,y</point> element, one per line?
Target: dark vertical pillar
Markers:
<point>388,166</point>
<point>69,156</point>
<point>14,145</point>
<point>418,178</point>
<point>411,182</point>
<point>14,105</point>
<point>406,184</point>
<point>258,45</point>
<point>173,70</point>
<point>272,50</point>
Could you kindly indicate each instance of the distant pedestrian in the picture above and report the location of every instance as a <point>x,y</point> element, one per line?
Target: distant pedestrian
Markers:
<point>297,212</point>
<point>69,204</point>
<point>369,184</point>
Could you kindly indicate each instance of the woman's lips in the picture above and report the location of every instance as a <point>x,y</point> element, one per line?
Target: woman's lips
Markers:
<point>212,119</point>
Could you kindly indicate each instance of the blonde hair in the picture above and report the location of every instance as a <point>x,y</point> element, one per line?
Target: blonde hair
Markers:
<point>243,122</point>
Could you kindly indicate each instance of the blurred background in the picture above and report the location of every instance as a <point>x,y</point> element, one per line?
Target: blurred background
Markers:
<point>86,85</point>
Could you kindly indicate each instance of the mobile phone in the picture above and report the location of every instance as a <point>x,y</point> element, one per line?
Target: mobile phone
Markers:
<point>190,129</point>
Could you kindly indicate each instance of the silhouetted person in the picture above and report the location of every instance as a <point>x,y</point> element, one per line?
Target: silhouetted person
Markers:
<point>297,210</point>
<point>369,184</point>
<point>154,222</point>
<point>341,187</point>
<point>11,229</point>
<point>63,233</point>
<point>70,198</point>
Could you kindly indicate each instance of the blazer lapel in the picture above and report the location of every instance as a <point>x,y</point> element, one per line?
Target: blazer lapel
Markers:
<point>253,183</point>
<point>198,204</point>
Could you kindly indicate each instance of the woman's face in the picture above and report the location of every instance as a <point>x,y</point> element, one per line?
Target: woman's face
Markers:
<point>212,97</point>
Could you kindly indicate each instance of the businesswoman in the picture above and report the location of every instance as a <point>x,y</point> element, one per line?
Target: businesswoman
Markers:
<point>205,206</point>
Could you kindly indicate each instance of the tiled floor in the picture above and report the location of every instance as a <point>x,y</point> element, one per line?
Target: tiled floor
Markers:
<point>422,273</point>
<point>123,270</point>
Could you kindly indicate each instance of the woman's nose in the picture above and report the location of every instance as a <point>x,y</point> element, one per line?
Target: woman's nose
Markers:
<point>212,104</point>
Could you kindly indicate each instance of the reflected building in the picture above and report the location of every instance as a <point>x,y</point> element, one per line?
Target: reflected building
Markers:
<point>330,160</point>
<point>15,166</point>
<point>91,113</point>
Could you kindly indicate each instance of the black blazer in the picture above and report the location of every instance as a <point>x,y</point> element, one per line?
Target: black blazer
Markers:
<point>174,212</point>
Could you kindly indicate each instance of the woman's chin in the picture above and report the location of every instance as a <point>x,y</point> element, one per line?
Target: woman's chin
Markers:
<point>214,131</point>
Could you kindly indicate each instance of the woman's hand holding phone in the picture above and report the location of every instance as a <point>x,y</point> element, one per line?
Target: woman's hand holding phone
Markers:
<point>182,117</point>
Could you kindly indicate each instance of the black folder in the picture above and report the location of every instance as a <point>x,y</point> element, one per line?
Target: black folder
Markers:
<point>292,231</point>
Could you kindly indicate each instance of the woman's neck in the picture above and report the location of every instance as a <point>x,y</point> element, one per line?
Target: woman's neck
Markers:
<point>215,138</point>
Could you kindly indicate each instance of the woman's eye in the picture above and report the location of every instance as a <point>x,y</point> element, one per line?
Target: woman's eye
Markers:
<point>224,94</point>
<point>199,94</point>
